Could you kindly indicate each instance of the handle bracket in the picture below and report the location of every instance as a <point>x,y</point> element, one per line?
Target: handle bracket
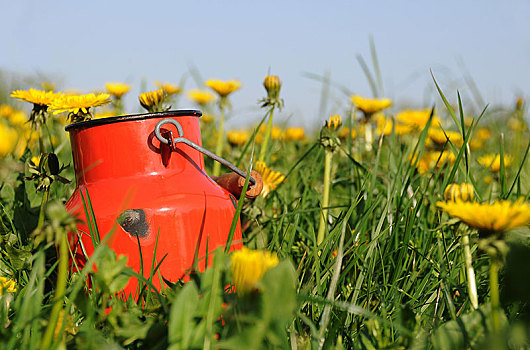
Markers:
<point>171,142</point>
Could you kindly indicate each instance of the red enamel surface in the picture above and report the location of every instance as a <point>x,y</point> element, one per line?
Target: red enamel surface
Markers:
<point>124,166</point>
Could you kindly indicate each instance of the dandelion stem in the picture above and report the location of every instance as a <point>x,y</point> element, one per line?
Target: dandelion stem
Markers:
<point>470,272</point>
<point>118,106</point>
<point>220,140</point>
<point>45,196</point>
<point>41,143</point>
<point>325,196</point>
<point>59,292</point>
<point>494,295</point>
<point>368,135</point>
<point>263,150</point>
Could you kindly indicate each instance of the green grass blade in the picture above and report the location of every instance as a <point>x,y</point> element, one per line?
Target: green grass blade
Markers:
<point>377,69</point>
<point>502,170</point>
<point>447,105</point>
<point>240,202</point>
<point>368,75</point>
<point>517,176</point>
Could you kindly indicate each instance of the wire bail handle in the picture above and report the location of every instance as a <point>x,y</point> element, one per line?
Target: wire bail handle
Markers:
<point>182,139</point>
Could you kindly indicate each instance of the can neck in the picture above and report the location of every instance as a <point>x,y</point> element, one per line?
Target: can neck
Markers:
<point>130,149</point>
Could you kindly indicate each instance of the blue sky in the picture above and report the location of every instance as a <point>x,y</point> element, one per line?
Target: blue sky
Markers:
<point>85,44</point>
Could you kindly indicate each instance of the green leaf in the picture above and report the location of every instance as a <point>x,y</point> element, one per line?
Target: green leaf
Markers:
<point>181,325</point>
<point>465,332</point>
<point>110,275</point>
<point>279,291</point>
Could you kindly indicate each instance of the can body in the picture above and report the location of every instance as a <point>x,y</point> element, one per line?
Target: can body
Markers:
<point>157,203</point>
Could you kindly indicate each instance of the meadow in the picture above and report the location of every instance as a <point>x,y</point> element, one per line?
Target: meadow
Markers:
<point>390,227</point>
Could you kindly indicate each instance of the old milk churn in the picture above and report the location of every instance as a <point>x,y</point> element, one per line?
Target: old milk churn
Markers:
<point>147,185</point>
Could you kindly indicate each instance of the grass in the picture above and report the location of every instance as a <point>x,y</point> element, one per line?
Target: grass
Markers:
<point>389,272</point>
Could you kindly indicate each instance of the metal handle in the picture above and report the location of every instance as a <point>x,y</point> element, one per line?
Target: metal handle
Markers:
<point>182,139</point>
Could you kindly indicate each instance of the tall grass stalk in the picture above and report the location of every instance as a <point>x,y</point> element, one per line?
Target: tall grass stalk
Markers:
<point>220,139</point>
<point>263,151</point>
<point>325,196</point>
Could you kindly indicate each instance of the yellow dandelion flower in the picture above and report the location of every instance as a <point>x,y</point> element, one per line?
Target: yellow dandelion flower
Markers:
<point>79,104</point>
<point>223,88</point>
<point>493,161</point>
<point>517,124</point>
<point>152,100</point>
<point>248,267</point>
<point>440,136</point>
<point>423,165</point>
<point>271,179</point>
<point>483,134</point>
<point>294,134</point>
<point>117,89</point>
<point>370,106</point>
<point>201,97</point>
<point>476,144</point>
<point>385,126</point>
<point>276,132</point>
<point>170,89</point>
<point>417,118</point>
<point>105,114</point>
<point>25,138</point>
<point>37,97</point>
<point>18,118</point>
<point>207,118</point>
<point>343,133</point>
<point>8,140</point>
<point>237,137</point>
<point>487,179</point>
<point>7,285</point>
<point>6,111</point>
<point>463,192</point>
<point>499,216</point>
<point>434,159</point>
<point>442,157</point>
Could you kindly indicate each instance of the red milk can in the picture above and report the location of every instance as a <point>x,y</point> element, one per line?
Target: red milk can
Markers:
<point>145,177</point>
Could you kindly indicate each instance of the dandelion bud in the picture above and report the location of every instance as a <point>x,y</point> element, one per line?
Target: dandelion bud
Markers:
<point>272,84</point>
<point>452,192</point>
<point>519,103</point>
<point>466,192</point>
<point>455,192</point>
<point>152,100</point>
<point>50,163</point>
<point>334,122</point>
<point>35,160</point>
